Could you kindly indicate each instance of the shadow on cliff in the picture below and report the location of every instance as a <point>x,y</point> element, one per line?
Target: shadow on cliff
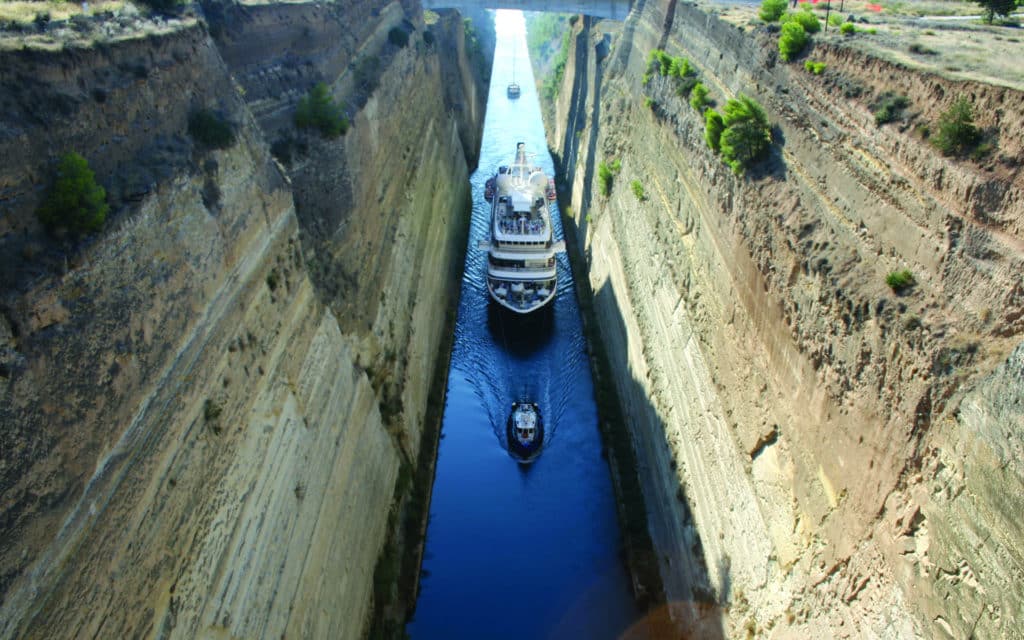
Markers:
<point>773,166</point>
<point>662,547</point>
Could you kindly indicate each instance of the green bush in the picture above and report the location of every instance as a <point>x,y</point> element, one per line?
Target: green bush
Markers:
<point>899,280</point>
<point>638,190</point>
<point>398,37</point>
<point>209,129</point>
<point>805,18</point>
<point>834,20</point>
<point>847,29</point>
<point>605,176</point>
<point>815,67</point>
<point>889,107</point>
<point>699,97</point>
<point>792,41</point>
<point>75,202</point>
<point>604,179</point>
<point>680,68</point>
<point>662,60</point>
<point>747,135</point>
<point>956,133</point>
<point>713,127</point>
<point>772,10</point>
<point>649,103</point>
<point>317,110</point>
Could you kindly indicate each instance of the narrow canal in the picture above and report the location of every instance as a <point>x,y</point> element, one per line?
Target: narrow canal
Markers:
<point>517,551</point>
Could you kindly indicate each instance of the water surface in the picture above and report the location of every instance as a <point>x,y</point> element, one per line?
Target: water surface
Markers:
<point>516,551</point>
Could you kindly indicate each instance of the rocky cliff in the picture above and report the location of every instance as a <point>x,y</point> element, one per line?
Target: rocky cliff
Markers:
<point>207,406</point>
<point>843,455</point>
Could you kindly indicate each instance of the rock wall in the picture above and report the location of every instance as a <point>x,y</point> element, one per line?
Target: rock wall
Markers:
<point>201,436</point>
<point>844,450</point>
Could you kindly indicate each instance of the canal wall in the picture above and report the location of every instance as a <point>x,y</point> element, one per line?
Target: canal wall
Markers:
<point>212,408</point>
<point>824,456</point>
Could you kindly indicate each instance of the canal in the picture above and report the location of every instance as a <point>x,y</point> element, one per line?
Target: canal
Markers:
<point>516,551</point>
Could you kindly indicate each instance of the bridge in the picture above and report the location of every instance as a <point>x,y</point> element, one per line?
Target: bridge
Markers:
<point>611,9</point>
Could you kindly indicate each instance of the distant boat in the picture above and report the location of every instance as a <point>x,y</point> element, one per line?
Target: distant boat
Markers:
<point>525,431</point>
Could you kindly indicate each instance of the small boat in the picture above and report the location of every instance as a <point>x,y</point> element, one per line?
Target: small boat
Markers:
<point>525,431</point>
<point>489,189</point>
<point>551,193</point>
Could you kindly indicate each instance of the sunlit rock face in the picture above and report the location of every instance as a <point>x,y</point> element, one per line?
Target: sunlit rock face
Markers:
<point>846,450</point>
<point>207,404</point>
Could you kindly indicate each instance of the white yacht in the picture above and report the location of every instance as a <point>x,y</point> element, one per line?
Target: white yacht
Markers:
<point>521,266</point>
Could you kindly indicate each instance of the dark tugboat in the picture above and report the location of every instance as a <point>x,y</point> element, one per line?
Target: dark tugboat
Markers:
<point>525,431</point>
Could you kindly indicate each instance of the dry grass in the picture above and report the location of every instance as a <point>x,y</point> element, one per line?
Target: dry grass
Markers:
<point>25,11</point>
<point>957,49</point>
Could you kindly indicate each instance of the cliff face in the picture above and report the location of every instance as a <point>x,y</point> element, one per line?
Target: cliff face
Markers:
<point>200,434</point>
<point>846,451</point>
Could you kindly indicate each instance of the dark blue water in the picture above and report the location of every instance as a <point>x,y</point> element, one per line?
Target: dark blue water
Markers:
<point>516,551</point>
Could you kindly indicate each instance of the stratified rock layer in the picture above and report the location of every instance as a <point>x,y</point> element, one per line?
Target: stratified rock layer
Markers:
<point>845,451</point>
<point>198,437</point>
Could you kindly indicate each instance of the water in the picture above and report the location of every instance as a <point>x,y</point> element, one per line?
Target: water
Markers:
<point>516,551</point>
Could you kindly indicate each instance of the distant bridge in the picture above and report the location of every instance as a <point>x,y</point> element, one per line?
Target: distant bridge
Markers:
<point>612,9</point>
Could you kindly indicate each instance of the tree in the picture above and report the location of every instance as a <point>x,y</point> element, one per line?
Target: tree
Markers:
<point>956,131</point>
<point>772,10</point>
<point>699,97</point>
<point>995,8</point>
<point>317,109</point>
<point>75,202</point>
<point>713,127</point>
<point>747,135</point>
<point>792,41</point>
<point>807,20</point>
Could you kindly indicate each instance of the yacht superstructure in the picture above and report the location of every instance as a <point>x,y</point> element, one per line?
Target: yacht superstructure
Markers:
<point>521,265</point>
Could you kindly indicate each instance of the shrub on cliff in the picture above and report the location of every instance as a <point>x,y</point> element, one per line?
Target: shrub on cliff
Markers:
<point>317,110</point>
<point>713,127</point>
<point>772,10</point>
<point>889,107</point>
<point>75,202</point>
<point>815,67</point>
<point>899,280</point>
<point>209,129</point>
<point>605,176</point>
<point>747,135</point>
<point>792,41</point>
<point>847,28</point>
<point>699,97</point>
<point>398,37</point>
<point>956,133</point>
<point>805,18</point>
<point>638,190</point>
